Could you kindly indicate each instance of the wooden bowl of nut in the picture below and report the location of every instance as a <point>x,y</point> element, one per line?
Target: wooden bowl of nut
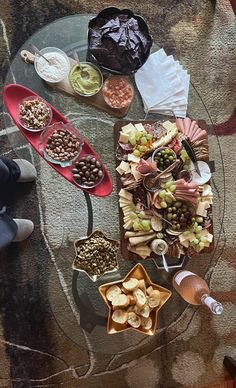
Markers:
<point>96,255</point>
<point>61,143</point>
<point>34,113</point>
<point>134,302</point>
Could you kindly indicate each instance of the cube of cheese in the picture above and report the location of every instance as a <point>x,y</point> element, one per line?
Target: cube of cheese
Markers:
<point>168,125</point>
<point>201,209</point>
<point>119,170</point>
<point>139,127</point>
<point>128,129</point>
<point>133,158</point>
<point>124,137</point>
<point>124,166</point>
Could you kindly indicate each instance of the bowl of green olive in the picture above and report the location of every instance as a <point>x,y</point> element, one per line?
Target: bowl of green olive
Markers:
<point>164,157</point>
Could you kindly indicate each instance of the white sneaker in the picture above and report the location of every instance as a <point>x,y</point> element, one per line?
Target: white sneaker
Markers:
<point>24,229</point>
<point>27,171</point>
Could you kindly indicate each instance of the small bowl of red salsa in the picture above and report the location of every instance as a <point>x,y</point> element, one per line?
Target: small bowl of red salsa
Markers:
<point>118,93</point>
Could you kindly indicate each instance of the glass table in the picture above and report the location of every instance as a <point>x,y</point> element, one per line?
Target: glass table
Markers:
<point>67,213</point>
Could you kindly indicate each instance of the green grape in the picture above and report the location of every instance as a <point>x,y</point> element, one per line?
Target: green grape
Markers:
<point>198,228</point>
<point>136,225</point>
<point>136,152</point>
<point>184,154</point>
<point>138,135</point>
<point>143,140</point>
<point>147,228</point>
<point>149,136</point>
<point>146,225</point>
<point>132,215</point>
<point>141,214</point>
<point>172,188</point>
<point>163,204</point>
<point>162,194</point>
<point>143,148</point>
<point>199,219</point>
<point>168,199</point>
<point>132,140</point>
<point>168,184</point>
<point>160,235</point>
<point>196,241</point>
<point>169,216</point>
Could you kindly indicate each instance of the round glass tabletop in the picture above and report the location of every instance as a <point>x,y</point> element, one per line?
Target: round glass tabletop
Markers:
<point>74,299</point>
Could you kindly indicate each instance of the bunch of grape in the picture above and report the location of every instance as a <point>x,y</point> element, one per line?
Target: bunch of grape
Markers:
<point>180,214</point>
<point>166,195</point>
<point>139,140</point>
<point>199,242</point>
<point>139,221</point>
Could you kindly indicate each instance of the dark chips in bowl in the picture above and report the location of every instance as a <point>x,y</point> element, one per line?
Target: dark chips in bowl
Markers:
<point>118,40</point>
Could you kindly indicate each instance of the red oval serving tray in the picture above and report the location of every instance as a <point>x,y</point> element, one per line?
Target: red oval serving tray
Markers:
<point>12,95</point>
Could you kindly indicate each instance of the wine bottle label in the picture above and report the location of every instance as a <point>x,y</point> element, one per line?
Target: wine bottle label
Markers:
<point>183,274</point>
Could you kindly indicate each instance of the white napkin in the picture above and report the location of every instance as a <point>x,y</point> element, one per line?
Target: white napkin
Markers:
<point>163,84</point>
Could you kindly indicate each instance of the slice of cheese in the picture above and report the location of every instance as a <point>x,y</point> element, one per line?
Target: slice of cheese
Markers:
<point>124,137</point>
<point>203,233</point>
<point>139,127</point>
<point>186,236</point>
<point>185,243</point>
<point>128,225</point>
<point>125,194</point>
<point>133,158</point>
<point>209,237</point>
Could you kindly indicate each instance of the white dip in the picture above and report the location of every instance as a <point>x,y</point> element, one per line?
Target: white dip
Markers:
<point>54,72</point>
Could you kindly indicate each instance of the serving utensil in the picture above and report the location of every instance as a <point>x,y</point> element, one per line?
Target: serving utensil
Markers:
<point>157,177</point>
<point>84,73</point>
<point>37,51</point>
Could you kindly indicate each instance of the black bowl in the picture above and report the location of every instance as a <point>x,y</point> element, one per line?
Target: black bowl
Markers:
<point>115,56</point>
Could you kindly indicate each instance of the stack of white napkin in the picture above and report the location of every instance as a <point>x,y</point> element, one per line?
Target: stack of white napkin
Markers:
<point>163,84</point>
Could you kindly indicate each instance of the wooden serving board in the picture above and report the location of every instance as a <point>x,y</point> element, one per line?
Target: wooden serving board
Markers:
<point>127,255</point>
<point>97,100</point>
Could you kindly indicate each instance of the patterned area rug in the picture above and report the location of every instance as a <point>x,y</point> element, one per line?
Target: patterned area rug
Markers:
<point>41,343</point>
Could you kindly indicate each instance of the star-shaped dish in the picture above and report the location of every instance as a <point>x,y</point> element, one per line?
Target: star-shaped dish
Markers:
<point>97,245</point>
<point>138,272</point>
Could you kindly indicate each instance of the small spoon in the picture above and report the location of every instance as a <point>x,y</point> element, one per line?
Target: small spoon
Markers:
<point>36,50</point>
<point>84,73</point>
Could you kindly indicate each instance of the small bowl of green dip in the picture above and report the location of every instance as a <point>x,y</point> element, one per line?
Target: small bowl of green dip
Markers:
<point>86,79</point>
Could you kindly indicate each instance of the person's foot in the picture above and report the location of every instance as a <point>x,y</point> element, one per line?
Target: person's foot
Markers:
<point>27,171</point>
<point>24,229</point>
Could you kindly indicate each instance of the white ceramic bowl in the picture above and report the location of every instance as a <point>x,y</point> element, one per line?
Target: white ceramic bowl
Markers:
<point>52,73</point>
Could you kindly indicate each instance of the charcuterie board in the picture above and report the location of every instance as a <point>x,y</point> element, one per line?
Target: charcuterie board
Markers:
<point>12,95</point>
<point>126,253</point>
